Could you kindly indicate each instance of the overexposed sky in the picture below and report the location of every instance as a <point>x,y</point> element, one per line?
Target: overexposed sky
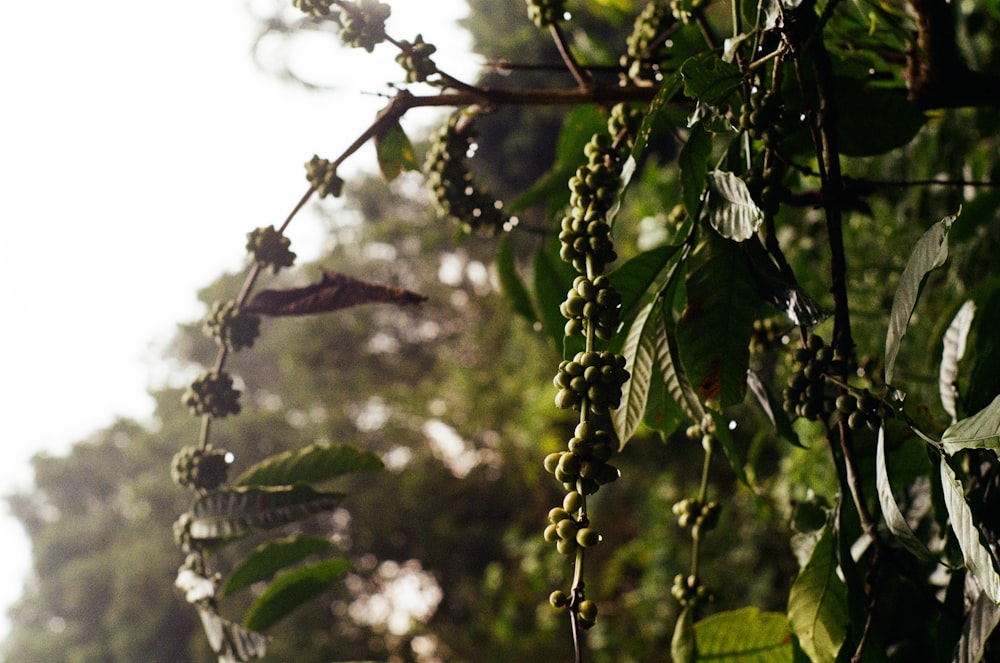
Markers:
<point>139,144</point>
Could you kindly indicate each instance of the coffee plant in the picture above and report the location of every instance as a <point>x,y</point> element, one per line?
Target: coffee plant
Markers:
<point>727,312</point>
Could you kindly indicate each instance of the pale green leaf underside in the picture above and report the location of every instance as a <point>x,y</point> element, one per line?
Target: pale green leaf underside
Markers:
<point>730,208</point>
<point>231,640</point>
<point>930,253</point>
<point>231,513</point>
<point>980,431</point>
<point>979,625</point>
<point>746,635</point>
<point>894,518</point>
<point>817,603</point>
<point>639,352</point>
<point>978,558</point>
<point>954,349</point>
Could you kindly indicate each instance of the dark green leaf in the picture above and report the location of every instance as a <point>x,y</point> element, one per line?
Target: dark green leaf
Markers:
<point>395,152</point>
<point>657,120</point>
<point>772,408</point>
<point>311,464</point>
<point>817,603</point>
<point>693,161</point>
<point>291,589</point>
<point>270,557</point>
<point>553,278</point>
<point>231,513</point>
<point>709,79</point>
<point>976,552</point>
<point>874,120</point>
<point>668,359</point>
<point>730,208</point>
<point>633,279</point>
<point>513,287</point>
<point>714,331</point>
<point>779,291</point>
<point>746,635</point>
<point>929,254</point>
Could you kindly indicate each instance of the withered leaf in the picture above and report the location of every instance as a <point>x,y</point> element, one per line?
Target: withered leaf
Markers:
<point>335,291</point>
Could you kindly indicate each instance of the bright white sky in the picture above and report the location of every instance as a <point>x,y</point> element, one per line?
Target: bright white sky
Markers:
<point>138,146</point>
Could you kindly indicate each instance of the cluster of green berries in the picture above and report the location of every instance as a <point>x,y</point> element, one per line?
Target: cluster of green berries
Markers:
<point>452,183</point>
<point>763,117</point>
<point>700,516</point>
<point>415,59</point>
<point>808,395</point>
<point>182,532</point>
<point>623,125</point>
<point>316,8</point>
<point>230,327</point>
<point>566,531</point>
<point>767,189</point>
<point>863,409</point>
<point>591,302</point>
<point>585,467</point>
<point>767,333</point>
<point>322,175</point>
<point>197,468</point>
<point>212,393</point>
<point>586,610</point>
<point>591,379</point>
<point>544,13</point>
<point>363,23</point>
<point>645,46</point>
<point>585,233</point>
<point>685,10</point>
<point>689,591</point>
<point>270,248</point>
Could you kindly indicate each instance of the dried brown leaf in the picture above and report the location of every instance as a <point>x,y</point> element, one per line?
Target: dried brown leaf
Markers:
<point>335,291</point>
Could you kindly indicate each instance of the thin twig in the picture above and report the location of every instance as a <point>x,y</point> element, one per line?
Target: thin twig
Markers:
<point>581,77</point>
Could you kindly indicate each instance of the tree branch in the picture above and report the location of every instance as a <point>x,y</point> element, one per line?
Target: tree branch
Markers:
<point>936,74</point>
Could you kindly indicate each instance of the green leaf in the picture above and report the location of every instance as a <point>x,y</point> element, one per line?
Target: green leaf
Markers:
<point>553,278</point>
<point>715,328</point>
<point>657,120</point>
<point>291,589</point>
<point>310,464</point>
<point>929,254</point>
<point>976,552</point>
<point>633,279</point>
<point>639,352</point>
<point>746,635</point>
<point>270,557</point>
<point>230,513</point>
<point>729,446</point>
<point>683,647</point>
<point>874,120</point>
<point>730,208</point>
<point>979,625</point>
<point>668,359</point>
<point>772,409</point>
<point>395,152</point>
<point>693,161</point>
<point>709,79</point>
<point>980,431</point>
<point>778,290</point>
<point>512,285</point>
<point>817,603</point>
<point>894,518</point>
<point>954,349</point>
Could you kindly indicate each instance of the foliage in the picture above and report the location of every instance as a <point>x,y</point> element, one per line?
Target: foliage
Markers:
<point>710,258</point>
